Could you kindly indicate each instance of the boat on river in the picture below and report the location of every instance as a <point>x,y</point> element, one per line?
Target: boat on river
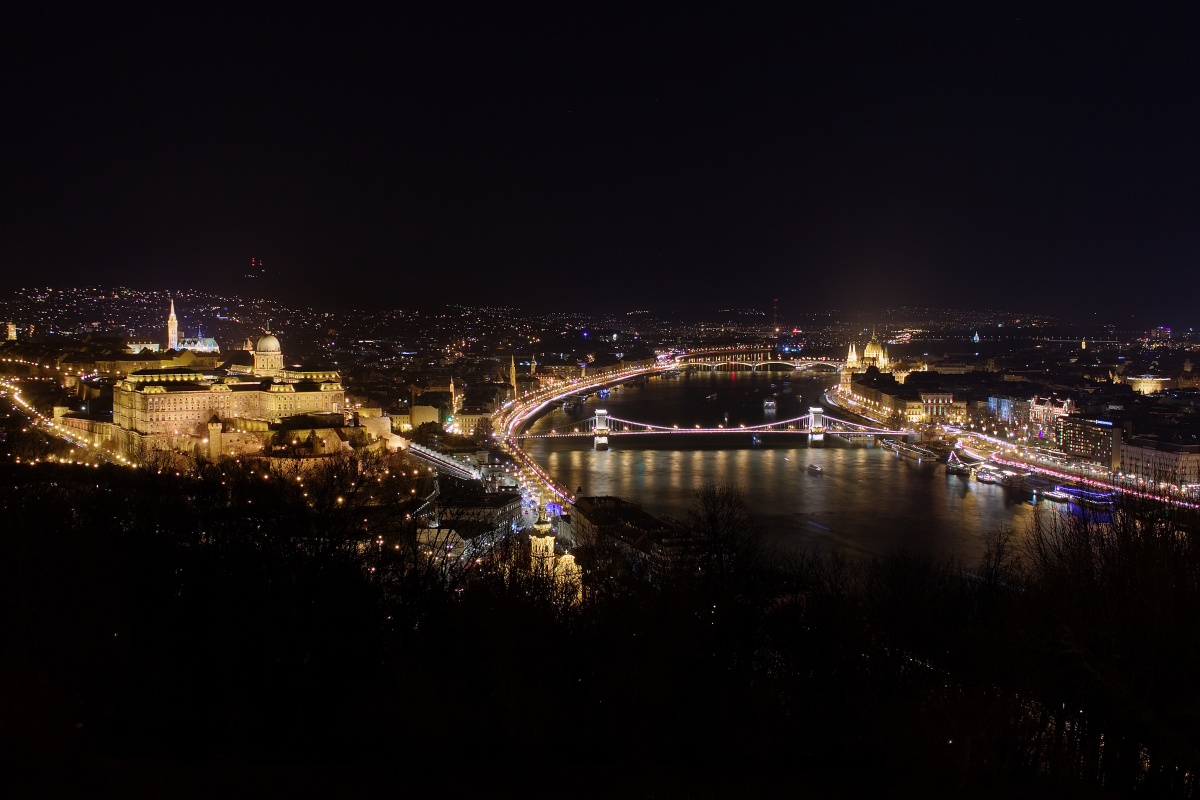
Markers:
<point>769,404</point>
<point>815,468</point>
<point>909,450</point>
<point>956,466</point>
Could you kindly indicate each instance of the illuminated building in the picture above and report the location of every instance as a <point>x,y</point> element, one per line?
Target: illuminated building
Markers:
<point>172,329</point>
<point>1045,413</point>
<point>1161,462</point>
<point>225,410</point>
<point>1147,384</point>
<point>467,419</point>
<point>1097,440</point>
<point>544,558</point>
<point>199,344</point>
<point>874,355</point>
<point>871,385</point>
<point>136,344</point>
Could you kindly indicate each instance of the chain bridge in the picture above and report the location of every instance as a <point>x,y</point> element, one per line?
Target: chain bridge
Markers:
<point>815,423</point>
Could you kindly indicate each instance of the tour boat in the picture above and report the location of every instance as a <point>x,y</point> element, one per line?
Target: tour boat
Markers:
<point>1057,496</point>
<point>815,468</point>
<point>987,476</point>
<point>956,466</point>
<point>1095,500</point>
<point>769,404</point>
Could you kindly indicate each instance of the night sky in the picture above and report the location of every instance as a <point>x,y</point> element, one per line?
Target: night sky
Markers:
<point>600,156</point>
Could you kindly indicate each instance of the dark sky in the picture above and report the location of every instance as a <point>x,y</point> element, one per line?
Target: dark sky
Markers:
<point>568,155</point>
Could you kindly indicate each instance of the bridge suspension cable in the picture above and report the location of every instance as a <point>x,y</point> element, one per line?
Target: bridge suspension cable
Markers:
<point>802,424</point>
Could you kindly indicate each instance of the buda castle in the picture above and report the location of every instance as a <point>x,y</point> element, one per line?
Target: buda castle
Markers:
<point>224,410</point>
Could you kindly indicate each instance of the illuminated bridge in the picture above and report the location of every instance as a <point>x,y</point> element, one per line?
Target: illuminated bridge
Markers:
<point>756,358</point>
<point>816,422</point>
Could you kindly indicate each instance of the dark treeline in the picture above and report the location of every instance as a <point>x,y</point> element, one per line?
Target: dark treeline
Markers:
<point>233,629</point>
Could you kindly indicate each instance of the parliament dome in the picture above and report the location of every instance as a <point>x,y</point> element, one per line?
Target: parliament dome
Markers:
<point>874,350</point>
<point>267,344</point>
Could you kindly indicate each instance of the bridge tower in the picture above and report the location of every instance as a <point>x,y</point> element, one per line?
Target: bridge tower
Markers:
<point>816,422</point>
<point>601,431</point>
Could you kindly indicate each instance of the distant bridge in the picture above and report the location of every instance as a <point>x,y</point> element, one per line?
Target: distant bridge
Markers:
<point>755,359</point>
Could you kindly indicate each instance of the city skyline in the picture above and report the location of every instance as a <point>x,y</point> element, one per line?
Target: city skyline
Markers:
<point>1015,158</point>
<point>618,400</point>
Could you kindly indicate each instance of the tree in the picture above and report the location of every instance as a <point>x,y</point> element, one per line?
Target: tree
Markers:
<point>729,541</point>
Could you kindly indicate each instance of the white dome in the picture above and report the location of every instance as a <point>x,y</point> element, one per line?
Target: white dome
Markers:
<point>267,344</point>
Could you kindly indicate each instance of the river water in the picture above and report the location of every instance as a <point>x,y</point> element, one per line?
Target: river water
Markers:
<point>866,501</point>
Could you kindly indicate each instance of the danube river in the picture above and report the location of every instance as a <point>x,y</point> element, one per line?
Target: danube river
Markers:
<point>865,501</point>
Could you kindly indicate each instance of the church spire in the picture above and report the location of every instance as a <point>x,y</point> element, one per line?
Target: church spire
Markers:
<point>512,374</point>
<point>172,328</point>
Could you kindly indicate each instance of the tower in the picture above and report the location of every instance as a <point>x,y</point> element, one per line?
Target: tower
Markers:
<point>542,542</point>
<point>600,434</point>
<point>172,329</point>
<point>512,375</point>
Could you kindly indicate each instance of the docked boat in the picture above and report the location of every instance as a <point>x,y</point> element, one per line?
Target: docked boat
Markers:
<point>956,466</point>
<point>815,468</point>
<point>1098,501</point>
<point>909,450</point>
<point>1056,496</point>
<point>987,476</point>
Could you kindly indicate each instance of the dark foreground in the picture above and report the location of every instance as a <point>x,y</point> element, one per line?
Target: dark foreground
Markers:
<point>227,634</point>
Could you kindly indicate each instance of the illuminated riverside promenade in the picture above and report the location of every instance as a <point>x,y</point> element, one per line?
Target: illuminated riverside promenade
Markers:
<point>1014,455</point>
<point>998,451</point>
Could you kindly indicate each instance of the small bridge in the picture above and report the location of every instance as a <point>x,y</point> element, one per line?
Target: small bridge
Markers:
<point>815,423</point>
<point>443,463</point>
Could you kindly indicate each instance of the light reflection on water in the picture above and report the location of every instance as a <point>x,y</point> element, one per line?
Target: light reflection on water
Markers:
<point>867,501</point>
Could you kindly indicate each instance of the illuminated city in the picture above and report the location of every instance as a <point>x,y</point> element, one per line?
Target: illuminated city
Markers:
<point>713,404</point>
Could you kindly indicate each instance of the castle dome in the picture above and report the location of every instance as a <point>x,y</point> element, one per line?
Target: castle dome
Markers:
<point>267,344</point>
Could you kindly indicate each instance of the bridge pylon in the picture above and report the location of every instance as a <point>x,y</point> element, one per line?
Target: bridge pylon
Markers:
<point>816,422</point>
<point>600,434</point>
